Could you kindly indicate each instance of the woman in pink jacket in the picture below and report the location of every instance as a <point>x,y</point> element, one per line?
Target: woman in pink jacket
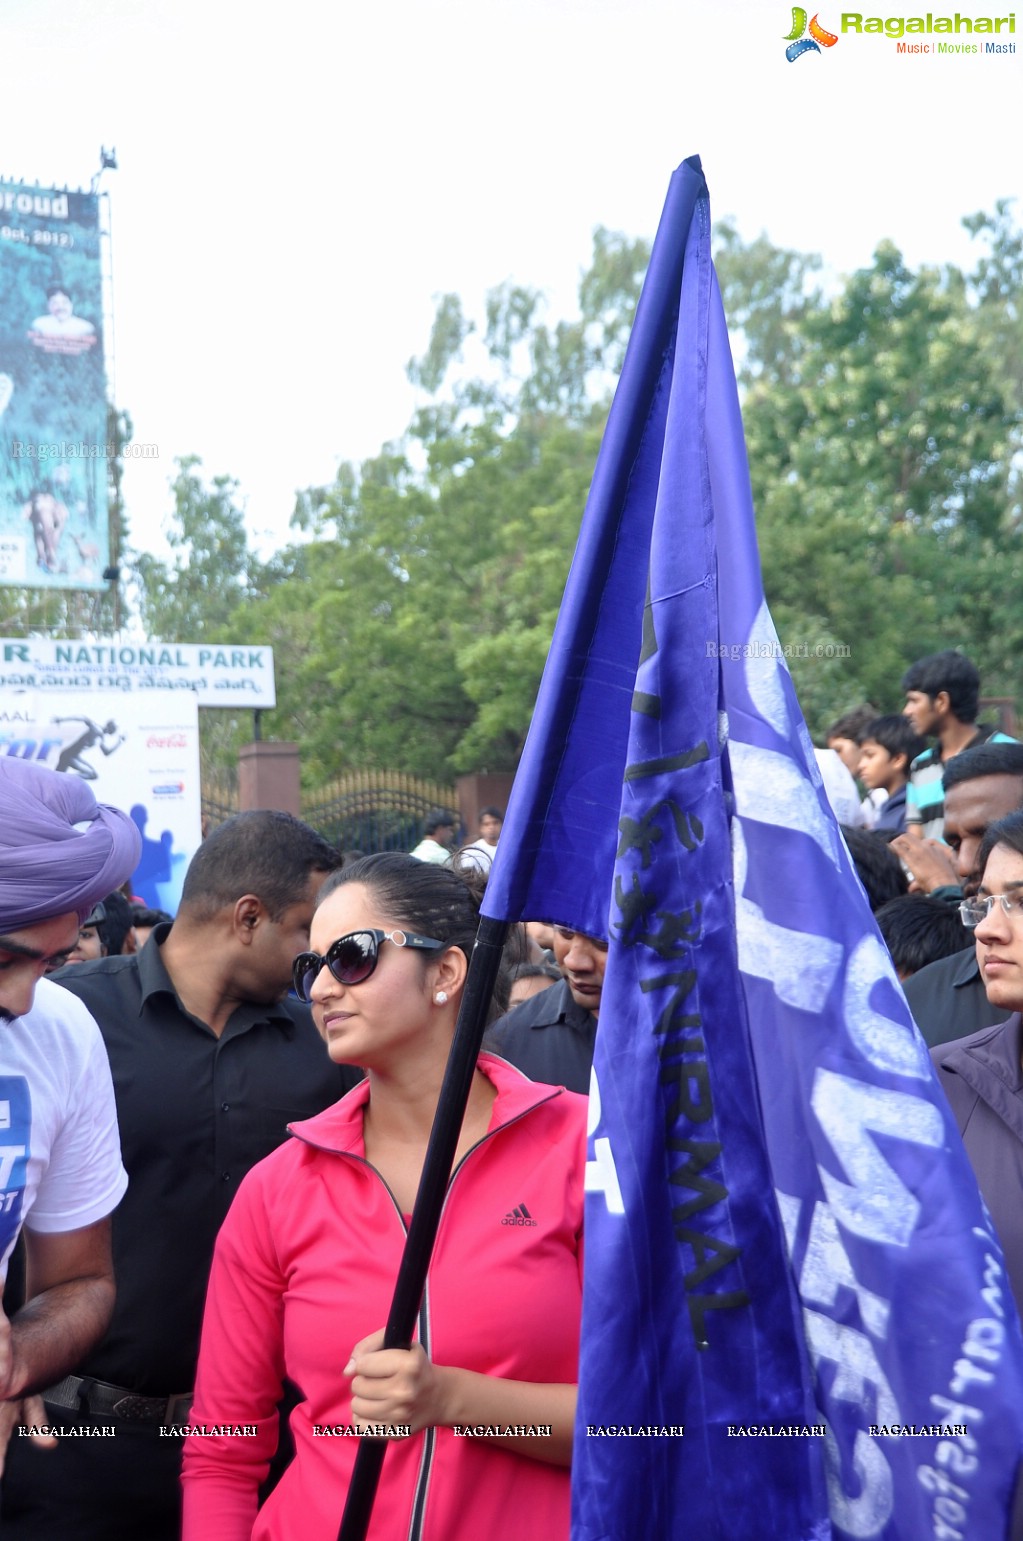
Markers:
<point>479,1411</point>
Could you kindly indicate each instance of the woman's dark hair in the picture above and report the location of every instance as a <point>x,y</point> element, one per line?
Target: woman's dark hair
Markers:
<point>516,946</point>
<point>116,924</point>
<point>434,901</point>
<point>1007,832</point>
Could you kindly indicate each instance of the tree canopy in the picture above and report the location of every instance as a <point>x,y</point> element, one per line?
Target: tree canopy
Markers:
<point>412,613</point>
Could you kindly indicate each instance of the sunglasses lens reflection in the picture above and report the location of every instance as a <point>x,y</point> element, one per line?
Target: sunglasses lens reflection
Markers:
<point>353,958</point>
<point>305,971</point>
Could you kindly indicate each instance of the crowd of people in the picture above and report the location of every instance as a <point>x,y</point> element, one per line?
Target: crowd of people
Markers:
<point>216,1125</point>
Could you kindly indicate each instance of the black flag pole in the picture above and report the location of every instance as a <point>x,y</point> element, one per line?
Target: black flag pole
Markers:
<point>440,1153</point>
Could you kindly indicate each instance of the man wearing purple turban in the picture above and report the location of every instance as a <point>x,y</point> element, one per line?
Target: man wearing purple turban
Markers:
<point>210,1061</point>
<point>60,1163</point>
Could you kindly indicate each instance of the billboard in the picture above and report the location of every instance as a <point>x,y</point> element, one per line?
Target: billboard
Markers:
<point>138,752</point>
<point>217,673</point>
<point>53,406</point>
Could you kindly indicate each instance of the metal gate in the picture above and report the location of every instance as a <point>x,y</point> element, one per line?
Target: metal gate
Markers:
<point>375,810</point>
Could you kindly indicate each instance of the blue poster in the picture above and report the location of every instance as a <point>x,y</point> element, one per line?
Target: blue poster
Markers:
<point>53,407</point>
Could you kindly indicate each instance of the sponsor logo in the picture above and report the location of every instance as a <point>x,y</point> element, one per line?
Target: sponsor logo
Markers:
<point>518,1216</point>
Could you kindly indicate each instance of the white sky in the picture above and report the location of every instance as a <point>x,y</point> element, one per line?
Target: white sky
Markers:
<point>298,181</point>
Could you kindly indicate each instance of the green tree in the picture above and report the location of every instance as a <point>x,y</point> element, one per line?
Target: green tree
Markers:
<point>427,604</point>
<point>996,286</point>
<point>412,626</point>
<point>881,450</point>
<point>212,578</point>
<point>412,614</point>
<point>768,293</point>
<point>212,571</point>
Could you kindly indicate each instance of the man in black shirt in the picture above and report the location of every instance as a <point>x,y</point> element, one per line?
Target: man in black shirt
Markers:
<point>210,1063</point>
<point>550,1036</point>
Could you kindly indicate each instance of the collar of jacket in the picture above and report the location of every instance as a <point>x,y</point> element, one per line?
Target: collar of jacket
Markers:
<point>339,1128</point>
<point>991,1064</point>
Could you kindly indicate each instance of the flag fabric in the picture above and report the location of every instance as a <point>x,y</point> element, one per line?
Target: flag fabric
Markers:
<point>796,1317</point>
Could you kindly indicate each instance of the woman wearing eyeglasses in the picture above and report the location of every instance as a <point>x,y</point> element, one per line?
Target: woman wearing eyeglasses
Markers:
<point>306,1261</point>
<point>983,1074</point>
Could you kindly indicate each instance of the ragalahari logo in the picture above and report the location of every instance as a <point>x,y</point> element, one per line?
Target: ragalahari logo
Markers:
<point>800,42</point>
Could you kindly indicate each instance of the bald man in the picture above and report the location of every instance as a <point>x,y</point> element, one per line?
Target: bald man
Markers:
<point>60,1162</point>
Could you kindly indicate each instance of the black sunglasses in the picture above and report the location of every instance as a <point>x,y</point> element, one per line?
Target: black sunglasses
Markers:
<point>352,958</point>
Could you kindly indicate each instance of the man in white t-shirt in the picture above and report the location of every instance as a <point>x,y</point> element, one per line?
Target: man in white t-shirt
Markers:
<point>482,851</point>
<point>439,831</point>
<point>60,1161</point>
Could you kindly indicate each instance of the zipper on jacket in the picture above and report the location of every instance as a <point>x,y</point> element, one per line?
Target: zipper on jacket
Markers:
<point>419,1496</point>
<point>426,1465</point>
<point>489,1136</point>
<point>418,1516</point>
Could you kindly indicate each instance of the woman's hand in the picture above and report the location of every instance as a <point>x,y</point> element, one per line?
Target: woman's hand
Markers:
<point>396,1385</point>
<point>403,1387</point>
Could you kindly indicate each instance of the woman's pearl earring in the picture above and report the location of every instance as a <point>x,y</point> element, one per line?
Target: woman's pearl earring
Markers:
<point>441,997</point>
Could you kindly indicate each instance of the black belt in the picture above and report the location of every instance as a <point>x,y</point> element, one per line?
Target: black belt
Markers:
<point>83,1394</point>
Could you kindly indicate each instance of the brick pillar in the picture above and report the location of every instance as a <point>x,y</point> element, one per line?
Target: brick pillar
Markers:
<point>481,791</point>
<point>268,777</point>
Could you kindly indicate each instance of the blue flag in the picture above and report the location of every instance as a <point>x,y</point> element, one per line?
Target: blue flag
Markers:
<point>788,1264</point>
